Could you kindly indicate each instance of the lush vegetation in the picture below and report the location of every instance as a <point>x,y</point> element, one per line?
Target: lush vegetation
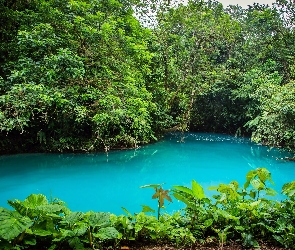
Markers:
<point>243,214</point>
<point>86,75</point>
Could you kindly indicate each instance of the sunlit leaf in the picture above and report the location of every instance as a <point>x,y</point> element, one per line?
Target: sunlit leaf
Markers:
<point>264,175</point>
<point>257,184</point>
<point>147,209</point>
<point>235,184</point>
<point>35,200</point>
<point>182,198</point>
<point>197,190</point>
<point>184,189</point>
<point>271,192</point>
<point>289,189</point>
<point>151,186</point>
<point>127,212</point>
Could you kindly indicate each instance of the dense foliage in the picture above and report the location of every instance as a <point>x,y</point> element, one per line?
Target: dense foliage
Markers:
<point>242,214</point>
<point>86,75</point>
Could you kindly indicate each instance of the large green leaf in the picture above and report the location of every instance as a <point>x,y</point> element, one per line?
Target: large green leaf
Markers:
<point>289,189</point>
<point>80,229</point>
<point>12,224</point>
<point>107,233</point>
<point>47,225</point>
<point>271,192</point>
<point>264,175</point>
<point>257,184</point>
<point>184,189</point>
<point>127,212</point>
<point>35,200</point>
<point>147,209</point>
<point>250,175</point>
<point>72,218</point>
<point>51,208</point>
<point>257,178</point>
<point>99,219</point>
<point>198,190</point>
<point>30,206</point>
<point>182,198</point>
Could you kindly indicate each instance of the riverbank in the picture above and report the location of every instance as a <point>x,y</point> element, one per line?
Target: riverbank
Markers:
<point>209,246</point>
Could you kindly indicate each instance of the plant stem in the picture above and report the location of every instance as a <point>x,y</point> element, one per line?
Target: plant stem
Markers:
<point>159,209</point>
<point>90,237</point>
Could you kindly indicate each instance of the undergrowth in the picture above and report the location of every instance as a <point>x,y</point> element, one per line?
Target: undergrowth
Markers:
<point>242,214</point>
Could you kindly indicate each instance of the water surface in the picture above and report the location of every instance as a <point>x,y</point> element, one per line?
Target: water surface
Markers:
<point>102,182</point>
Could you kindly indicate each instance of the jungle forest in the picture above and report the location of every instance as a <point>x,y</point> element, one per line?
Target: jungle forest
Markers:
<point>79,76</point>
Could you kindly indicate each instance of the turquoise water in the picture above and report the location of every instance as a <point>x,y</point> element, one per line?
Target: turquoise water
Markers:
<point>102,182</point>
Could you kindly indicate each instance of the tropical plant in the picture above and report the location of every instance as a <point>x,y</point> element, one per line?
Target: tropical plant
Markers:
<point>236,215</point>
<point>258,178</point>
<point>161,195</point>
<point>196,203</point>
